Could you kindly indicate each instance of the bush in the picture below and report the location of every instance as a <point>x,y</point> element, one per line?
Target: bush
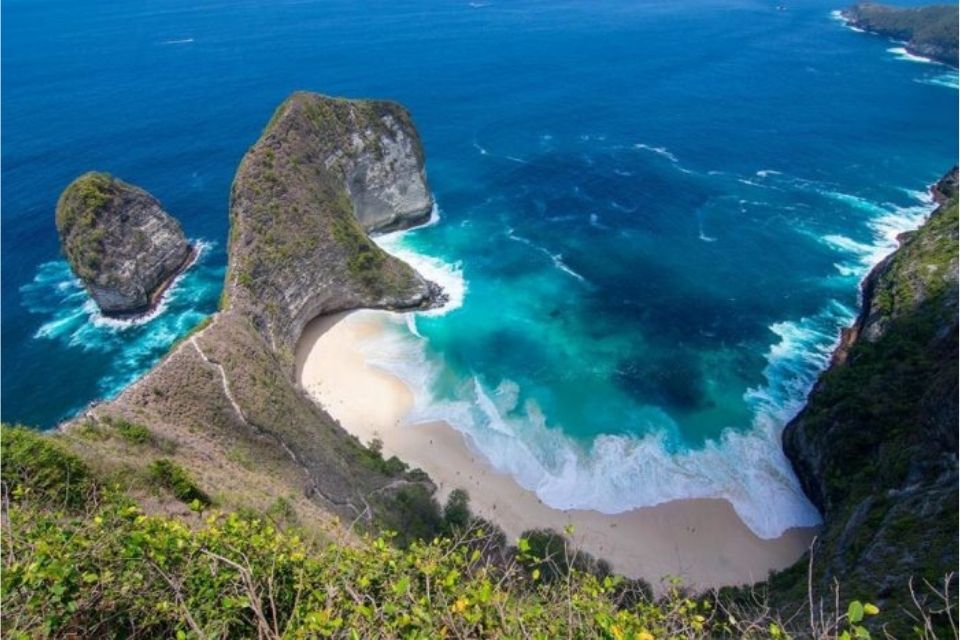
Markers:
<point>456,513</point>
<point>175,479</point>
<point>36,466</point>
<point>130,431</point>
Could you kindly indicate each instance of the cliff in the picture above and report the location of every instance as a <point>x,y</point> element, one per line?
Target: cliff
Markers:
<point>224,401</point>
<point>120,242</point>
<point>929,31</point>
<point>324,172</point>
<point>876,446</point>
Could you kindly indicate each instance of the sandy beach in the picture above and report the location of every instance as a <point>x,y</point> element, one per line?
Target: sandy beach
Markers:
<point>703,541</point>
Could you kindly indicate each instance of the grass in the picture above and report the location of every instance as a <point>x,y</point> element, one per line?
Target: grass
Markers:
<point>101,563</point>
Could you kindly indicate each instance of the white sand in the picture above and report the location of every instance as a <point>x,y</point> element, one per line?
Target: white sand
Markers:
<point>702,541</point>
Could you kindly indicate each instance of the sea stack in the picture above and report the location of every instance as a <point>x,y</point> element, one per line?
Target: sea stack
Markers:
<point>120,242</point>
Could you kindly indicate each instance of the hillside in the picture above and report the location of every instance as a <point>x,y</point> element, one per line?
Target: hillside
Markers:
<point>876,446</point>
<point>83,559</point>
<point>929,31</point>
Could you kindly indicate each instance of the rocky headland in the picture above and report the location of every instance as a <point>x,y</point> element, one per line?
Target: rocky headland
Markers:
<point>120,242</point>
<point>323,172</point>
<point>930,32</point>
<point>875,448</point>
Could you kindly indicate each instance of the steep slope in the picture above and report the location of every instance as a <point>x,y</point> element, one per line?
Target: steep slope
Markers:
<point>120,242</point>
<point>224,399</point>
<point>929,31</point>
<point>322,172</point>
<point>876,446</point>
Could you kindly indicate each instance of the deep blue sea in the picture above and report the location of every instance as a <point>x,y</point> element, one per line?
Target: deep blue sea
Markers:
<point>654,214</point>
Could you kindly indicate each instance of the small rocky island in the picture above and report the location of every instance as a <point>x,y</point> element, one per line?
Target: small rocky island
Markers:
<point>929,31</point>
<point>120,242</point>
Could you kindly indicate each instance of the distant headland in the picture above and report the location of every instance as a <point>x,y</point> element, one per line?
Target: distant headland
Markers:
<point>929,32</point>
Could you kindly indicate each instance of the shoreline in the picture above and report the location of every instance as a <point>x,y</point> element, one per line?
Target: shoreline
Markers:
<point>157,296</point>
<point>700,540</point>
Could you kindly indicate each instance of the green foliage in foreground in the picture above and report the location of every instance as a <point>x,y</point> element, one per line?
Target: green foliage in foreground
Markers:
<point>89,562</point>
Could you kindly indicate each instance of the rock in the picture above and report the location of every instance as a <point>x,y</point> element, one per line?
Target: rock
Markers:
<point>875,448</point>
<point>324,172</point>
<point>929,31</point>
<point>120,242</point>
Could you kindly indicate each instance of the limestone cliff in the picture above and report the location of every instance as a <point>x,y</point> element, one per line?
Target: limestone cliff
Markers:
<point>120,242</point>
<point>876,446</point>
<point>929,31</point>
<point>324,171</point>
<point>225,398</point>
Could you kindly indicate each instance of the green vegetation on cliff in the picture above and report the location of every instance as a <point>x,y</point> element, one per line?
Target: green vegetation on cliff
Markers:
<point>929,31</point>
<point>77,215</point>
<point>876,446</point>
<point>81,558</point>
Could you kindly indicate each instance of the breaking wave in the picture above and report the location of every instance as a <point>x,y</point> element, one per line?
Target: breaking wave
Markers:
<point>72,318</point>
<point>617,473</point>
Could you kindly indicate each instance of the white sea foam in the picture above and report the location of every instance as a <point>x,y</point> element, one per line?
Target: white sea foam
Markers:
<point>704,236</point>
<point>887,222</point>
<point>449,276</point>
<point>179,41</point>
<point>556,258</point>
<point>950,80</point>
<point>620,207</point>
<point>662,151</point>
<point>72,317</point>
<point>901,53</point>
<point>665,153</point>
<point>763,173</point>
<point>73,307</point>
<point>839,17</point>
<point>618,473</point>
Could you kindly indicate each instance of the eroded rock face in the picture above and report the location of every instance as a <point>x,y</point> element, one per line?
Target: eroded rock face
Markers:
<point>324,172</point>
<point>120,242</point>
<point>383,171</point>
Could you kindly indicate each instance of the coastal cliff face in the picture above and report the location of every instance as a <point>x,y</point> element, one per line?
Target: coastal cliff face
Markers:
<point>120,242</point>
<point>224,400</point>
<point>930,31</point>
<point>876,446</point>
<point>323,173</point>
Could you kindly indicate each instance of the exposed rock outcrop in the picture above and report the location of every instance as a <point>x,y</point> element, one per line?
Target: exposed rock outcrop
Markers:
<point>323,172</point>
<point>929,31</point>
<point>876,446</point>
<point>120,242</point>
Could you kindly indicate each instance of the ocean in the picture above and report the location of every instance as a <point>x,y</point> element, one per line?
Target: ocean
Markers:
<point>652,216</point>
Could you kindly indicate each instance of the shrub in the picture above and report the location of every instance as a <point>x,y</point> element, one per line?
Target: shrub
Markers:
<point>130,431</point>
<point>37,466</point>
<point>175,479</point>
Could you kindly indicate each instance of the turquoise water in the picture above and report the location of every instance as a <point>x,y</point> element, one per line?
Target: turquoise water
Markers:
<point>657,213</point>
